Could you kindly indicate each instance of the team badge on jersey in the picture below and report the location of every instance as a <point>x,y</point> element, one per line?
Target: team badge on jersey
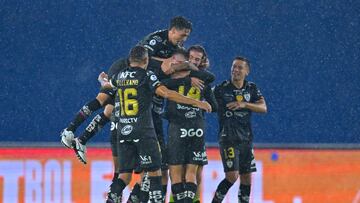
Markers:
<point>229,163</point>
<point>247,97</point>
<point>152,42</point>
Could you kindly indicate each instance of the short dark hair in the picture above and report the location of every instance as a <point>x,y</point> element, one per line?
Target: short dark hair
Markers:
<point>198,48</point>
<point>138,54</point>
<point>182,51</point>
<point>180,23</point>
<point>241,58</point>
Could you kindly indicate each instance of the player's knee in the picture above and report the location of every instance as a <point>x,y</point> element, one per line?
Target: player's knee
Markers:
<point>190,177</point>
<point>102,98</point>
<point>126,177</point>
<point>155,171</point>
<point>198,178</point>
<point>245,178</point>
<point>199,174</point>
<point>108,110</point>
<point>232,176</point>
<point>176,177</point>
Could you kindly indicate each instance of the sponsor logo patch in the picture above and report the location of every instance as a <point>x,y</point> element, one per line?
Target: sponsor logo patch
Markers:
<point>190,114</point>
<point>126,130</point>
<point>152,42</point>
<point>153,77</point>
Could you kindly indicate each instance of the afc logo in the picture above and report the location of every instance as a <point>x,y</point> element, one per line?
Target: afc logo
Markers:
<point>127,74</point>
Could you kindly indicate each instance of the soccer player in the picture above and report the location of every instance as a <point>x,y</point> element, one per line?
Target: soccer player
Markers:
<point>136,134</point>
<point>237,99</point>
<point>186,135</point>
<point>178,57</point>
<point>161,46</point>
<point>198,57</point>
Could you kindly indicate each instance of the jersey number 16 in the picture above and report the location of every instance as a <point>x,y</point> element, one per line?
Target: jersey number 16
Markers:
<point>129,106</point>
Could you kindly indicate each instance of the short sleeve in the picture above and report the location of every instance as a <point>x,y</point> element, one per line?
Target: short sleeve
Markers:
<point>255,93</point>
<point>152,80</point>
<point>152,43</point>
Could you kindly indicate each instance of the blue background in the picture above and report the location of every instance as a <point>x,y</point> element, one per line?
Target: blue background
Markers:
<point>305,59</point>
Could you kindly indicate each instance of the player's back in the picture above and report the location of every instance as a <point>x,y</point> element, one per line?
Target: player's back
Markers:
<point>183,112</point>
<point>135,88</point>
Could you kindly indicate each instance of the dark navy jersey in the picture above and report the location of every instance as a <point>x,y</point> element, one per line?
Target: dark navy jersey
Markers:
<point>235,125</point>
<point>158,44</point>
<point>155,67</point>
<point>176,112</point>
<point>135,88</point>
<point>117,66</point>
<point>203,75</point>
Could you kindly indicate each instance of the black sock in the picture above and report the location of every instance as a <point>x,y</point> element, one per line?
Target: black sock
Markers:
<point>178,190</point>
<point>116,188</point>
<point>144,188</point>
<point>135,194</point>
<point>190,192</point>
<point>82,115</point>
<point>164,190</point>
<point>244,193</point>
<point>221,190</point>
<point>116,175</point>
<point>95,125</point>
<point>155,193</point>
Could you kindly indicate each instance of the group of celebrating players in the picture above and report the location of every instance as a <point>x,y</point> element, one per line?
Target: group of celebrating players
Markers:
<point>159,80</point>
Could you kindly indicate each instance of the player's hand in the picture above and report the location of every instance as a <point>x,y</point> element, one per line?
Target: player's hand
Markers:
<point>205,106</point>
<point>191,66</point>
<point>235,105</point>
<point>166,66</point>
<point>196,82</point>
<point>103,79</point>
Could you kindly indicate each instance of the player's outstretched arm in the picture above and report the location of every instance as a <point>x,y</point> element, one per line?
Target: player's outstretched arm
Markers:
<point>176,97</point>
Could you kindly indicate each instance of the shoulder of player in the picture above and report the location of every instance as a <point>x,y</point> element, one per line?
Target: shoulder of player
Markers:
<point>223,84</point>
<point>159,36</point>
<point>220,87</point>
<point>151,75</point>
<point>250,84</point>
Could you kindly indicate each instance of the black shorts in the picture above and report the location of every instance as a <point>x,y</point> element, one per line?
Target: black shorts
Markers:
<point>113,138</point>
<point>237,157</point>
<point>186,143</point>
<point>111,93</point>
<point>144,152</point>
<point>158,125</point>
